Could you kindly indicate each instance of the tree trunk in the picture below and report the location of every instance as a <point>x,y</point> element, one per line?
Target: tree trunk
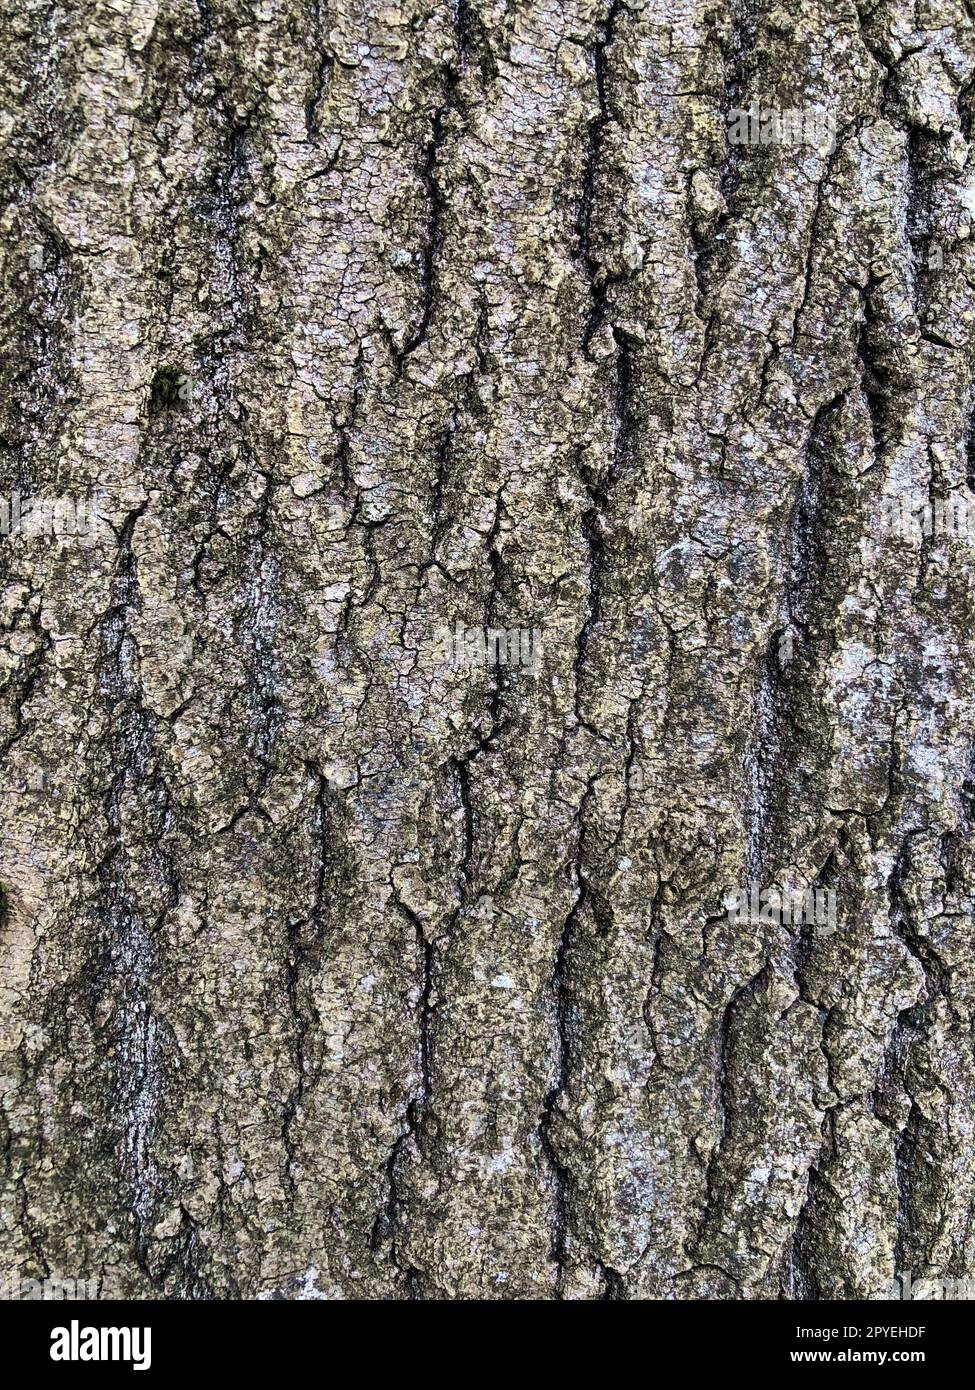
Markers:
<point>342,953</point>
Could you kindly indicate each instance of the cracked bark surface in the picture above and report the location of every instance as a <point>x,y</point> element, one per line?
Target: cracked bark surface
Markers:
<point>328,971</point>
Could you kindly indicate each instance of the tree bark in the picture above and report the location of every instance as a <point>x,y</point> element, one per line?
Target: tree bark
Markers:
<point>332,964</point>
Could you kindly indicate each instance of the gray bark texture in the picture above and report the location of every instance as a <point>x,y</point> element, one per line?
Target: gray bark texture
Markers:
<point>332,965</point>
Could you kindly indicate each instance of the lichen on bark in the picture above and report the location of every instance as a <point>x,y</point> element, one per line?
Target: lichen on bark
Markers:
<point>332,965</point>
